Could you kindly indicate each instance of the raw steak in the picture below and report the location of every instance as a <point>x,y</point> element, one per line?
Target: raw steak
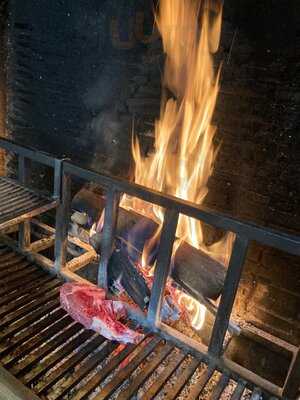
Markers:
<point>88,305</point>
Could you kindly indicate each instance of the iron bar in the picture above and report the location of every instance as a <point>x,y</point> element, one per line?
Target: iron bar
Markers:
<point>110,367</point>
<point>22,349</point>
<point>221,385</point>
<point>198,387</point>
<point>57,178</point>
<point>292,384</point>
<point>44,366</point>
<point>31,306</point>
<point>69,364</point>
<point>9,346</point>
<point>196,348</point>
<point>239,390</point>
<point>169,369</point>
<point>29,319</point>
<point>231,284</point>
<point>269,237</point>
<point>124,373</point>
<point>108,233</point>
<point>16,284</point>
<point>162,352</point>
<point>162,268</point>
<point>27,213</point>
<point>23,366</point>
<point>62,221</point>
<point>185,374</point>
<point>25,348</point>
<point>89,365</point>
<point>12,269</point>
<point>27,152</point>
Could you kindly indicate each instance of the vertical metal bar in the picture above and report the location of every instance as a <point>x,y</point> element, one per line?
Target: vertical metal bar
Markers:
<point>108,233</point>
<point>62,223</point>
<point>24,236</point>
<point>23,169</point>
<point>57,178</point>
<point>231,284</point>
<point>292,384</point>
<point>162,268</point>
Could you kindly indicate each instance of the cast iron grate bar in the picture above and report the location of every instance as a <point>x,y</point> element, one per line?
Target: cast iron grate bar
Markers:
<point>162,352</point>
<point>163,377</point>
<point>7,348</point>
<point>219,389</point>
<point>239,390</point>
<point>202,381</point>
<point>23,300</point>
<point>56,358</point>
<point>29,288</point>
<point>17,202</point>
<point>124,373</point>
<point>186,372</point>
<point>13,268</point>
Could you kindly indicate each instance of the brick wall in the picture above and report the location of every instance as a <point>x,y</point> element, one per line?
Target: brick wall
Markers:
<point>97,96</point>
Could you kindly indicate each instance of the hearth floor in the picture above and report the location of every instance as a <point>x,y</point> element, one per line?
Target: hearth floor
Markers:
<point>56,358</point>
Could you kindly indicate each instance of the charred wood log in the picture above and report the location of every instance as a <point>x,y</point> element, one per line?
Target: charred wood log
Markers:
<point>121,269</point>
<point>192,268</point>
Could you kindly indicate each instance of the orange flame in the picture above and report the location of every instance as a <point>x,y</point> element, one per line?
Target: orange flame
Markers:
<point>183,156</point>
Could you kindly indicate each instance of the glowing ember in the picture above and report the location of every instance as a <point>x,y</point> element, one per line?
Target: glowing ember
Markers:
<point>183,156</point>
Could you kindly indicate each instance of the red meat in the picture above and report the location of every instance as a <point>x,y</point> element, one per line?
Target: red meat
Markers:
<point>87,305</point>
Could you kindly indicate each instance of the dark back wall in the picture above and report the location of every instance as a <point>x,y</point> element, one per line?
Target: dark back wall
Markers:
<point>70,63</point>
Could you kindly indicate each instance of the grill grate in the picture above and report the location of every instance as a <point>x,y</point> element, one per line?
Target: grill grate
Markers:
<point>19,203</point>
<point>57,359</point>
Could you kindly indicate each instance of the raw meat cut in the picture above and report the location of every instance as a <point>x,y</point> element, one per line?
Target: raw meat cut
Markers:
<point>88,305</point>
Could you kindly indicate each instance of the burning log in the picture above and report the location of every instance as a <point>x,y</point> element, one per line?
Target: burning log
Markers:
<point>192,268</point>
<point>121,269</point>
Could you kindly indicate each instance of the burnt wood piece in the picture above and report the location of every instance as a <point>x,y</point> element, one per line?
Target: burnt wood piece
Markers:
<point>121,268</point>
<point>89,202</point>
<point>192,268</point>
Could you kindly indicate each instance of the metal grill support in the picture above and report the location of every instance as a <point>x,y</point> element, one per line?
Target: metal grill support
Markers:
<point>46,355</point>
<point>244,232</point>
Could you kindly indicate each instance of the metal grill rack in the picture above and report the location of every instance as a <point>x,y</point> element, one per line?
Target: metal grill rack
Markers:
<point>18,203</point>
<point>56,358</point>
<point>39,344</point>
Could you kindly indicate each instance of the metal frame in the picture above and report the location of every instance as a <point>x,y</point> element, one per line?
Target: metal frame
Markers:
<point>23,223</point>
<point>245,233</point>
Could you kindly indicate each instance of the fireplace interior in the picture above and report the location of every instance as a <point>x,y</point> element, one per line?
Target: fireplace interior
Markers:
<point>81,83</point>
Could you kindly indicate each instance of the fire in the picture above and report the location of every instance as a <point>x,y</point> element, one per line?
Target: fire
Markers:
<point>183,156</point>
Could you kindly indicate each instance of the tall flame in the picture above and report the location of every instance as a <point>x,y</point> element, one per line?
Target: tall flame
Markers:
<point>183,156</point>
